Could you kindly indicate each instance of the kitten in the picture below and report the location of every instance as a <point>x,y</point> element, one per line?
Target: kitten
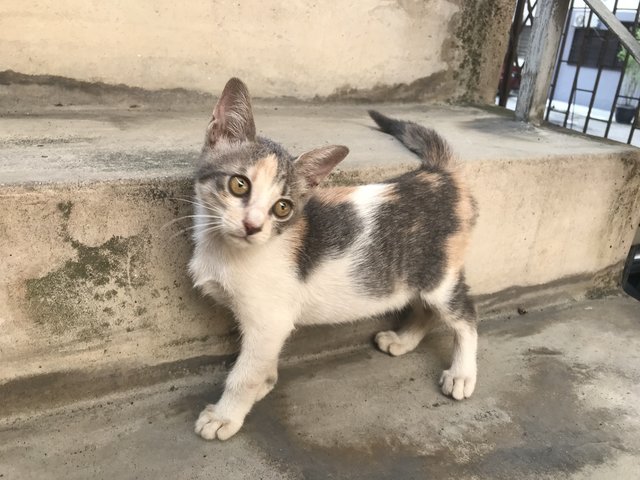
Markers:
<point>281,252</point>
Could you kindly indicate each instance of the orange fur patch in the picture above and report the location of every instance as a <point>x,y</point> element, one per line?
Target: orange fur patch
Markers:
<point>334,195</point>
<point>434,179</point>
<point>263,173</point>
<point>295,237</point>
<point>466,214</point>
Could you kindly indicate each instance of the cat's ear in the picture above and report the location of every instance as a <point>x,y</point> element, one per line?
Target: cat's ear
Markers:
<point>314,165</point>
<point>232,116</point>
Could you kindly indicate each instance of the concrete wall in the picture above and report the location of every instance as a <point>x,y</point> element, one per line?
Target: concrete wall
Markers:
<point>97,287</point>
<point>404,49</point>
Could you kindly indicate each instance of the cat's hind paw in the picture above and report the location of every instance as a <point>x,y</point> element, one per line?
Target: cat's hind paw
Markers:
<point>211,425</point>
<point>389,342</point>
<point>457,384</point>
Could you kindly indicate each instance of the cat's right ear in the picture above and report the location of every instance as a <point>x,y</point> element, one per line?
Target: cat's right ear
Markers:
<point>232,116</point>
<point>315,165</point>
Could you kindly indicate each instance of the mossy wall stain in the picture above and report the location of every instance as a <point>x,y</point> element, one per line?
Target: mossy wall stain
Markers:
<point>472,52</point>
<point>92,291</point>
<point>432,87</point>
<point>482,32</point>
<point>65,209</point>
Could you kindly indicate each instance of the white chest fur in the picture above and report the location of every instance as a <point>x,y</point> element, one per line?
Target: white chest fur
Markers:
<point>258,277</point>
<point>264,279</point>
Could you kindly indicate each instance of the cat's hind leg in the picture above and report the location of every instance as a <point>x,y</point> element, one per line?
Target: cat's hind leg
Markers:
<point>456,309</point>
<point>407,338</point>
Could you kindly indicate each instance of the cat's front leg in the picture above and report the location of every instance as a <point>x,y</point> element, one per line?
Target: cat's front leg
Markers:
<point>251,378</point>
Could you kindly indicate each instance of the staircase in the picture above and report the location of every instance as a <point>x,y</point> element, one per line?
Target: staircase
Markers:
<point>107,352</point>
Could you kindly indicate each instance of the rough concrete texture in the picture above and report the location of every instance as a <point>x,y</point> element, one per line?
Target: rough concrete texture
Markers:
<point>483,37</point>
<point>381,50</point>
<point>93,277</point>
<point>557,398</point>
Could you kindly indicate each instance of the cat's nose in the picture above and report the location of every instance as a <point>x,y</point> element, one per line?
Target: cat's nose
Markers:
<point>250,228</point>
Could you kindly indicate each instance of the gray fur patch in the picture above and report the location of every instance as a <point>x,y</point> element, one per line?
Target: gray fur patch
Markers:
<point>331,229</point>
<point>409,236</point>
<point>432,149</point>
<point>461,305</point>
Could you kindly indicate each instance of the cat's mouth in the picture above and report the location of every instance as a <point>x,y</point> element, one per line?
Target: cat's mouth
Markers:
<point>239,236</point>
<point>242,239</point>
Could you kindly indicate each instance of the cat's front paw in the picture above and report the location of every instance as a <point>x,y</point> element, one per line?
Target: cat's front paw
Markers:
<point>211,424</point>
<point>266,387</point>
<point>458,384</point>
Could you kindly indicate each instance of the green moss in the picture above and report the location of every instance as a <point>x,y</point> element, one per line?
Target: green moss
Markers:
<point>475,27</point>
<point>65,208</point>
<point>66,299</point>
<point>109,294</point>
<point>606,282</point>
<point>168,191</point>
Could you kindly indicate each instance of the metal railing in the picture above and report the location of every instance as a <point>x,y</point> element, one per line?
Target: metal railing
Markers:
<point>578,67</point>
<point>513,62</point>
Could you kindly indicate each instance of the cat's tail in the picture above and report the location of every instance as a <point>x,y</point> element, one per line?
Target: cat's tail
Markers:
<point>432,149</point>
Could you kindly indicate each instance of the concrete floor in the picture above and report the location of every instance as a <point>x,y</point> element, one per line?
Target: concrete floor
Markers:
<point>558,397</point>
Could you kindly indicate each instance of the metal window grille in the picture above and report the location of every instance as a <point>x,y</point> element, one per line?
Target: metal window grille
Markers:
<point>595,88</point>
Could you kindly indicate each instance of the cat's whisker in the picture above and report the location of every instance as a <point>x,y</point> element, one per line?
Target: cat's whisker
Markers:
<point>211,227</point>
<point>200,225</point>
<point>171,222</point>
<point>182,199</point>
<point>210,205</point>
<point>206,206</point>
<point>198,201</point>
<point>211,230</point>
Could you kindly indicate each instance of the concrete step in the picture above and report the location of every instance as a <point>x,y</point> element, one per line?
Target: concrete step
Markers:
<point>93,287</point>
<point>558,397</point>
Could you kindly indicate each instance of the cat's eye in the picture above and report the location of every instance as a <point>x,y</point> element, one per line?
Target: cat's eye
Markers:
<point>282,208</point>
<point>239,186</point>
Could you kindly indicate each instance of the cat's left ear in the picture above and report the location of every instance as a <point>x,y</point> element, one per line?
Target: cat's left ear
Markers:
<point>314,165</point>
<point>232,117</point>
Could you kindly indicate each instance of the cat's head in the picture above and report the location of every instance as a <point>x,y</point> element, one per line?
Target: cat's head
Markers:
<point>249,189</point>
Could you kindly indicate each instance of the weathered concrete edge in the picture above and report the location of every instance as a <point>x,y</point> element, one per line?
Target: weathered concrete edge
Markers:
<point>347,175</point>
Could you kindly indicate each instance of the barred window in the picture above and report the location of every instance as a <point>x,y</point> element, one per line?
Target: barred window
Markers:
<point>588,43</point>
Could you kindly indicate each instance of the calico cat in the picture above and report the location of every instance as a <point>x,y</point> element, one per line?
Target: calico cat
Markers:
<point>281,252</point>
